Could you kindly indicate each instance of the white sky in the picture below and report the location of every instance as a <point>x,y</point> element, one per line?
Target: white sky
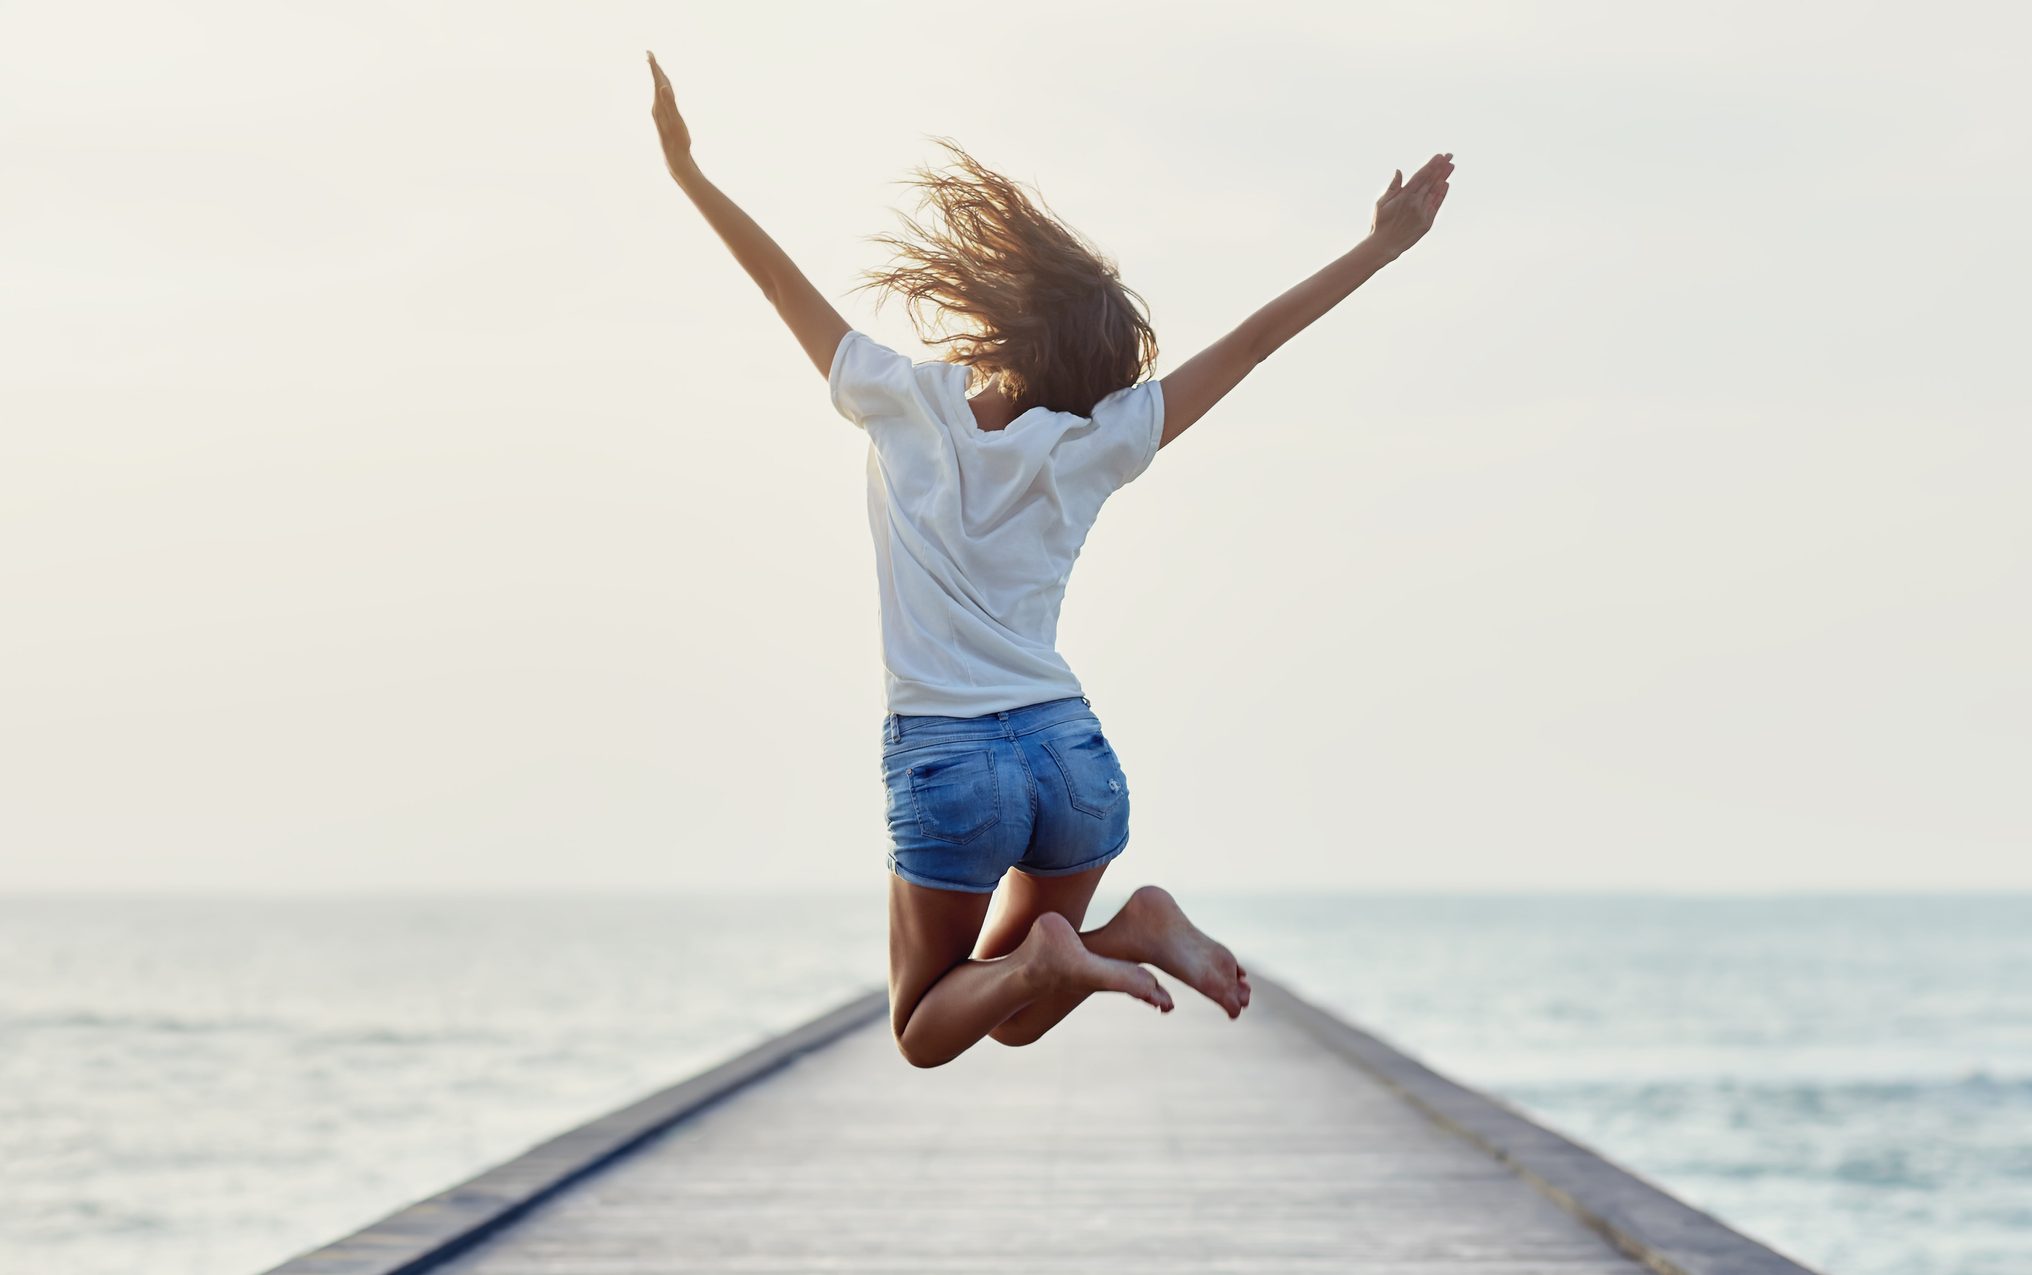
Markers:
<point>400,485</point>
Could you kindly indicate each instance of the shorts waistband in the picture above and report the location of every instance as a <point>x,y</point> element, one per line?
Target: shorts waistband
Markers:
<point>899,727</point>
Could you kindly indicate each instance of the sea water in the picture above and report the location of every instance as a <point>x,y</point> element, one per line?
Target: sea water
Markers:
<point>214,1084</point>
<point>1847,1079</point>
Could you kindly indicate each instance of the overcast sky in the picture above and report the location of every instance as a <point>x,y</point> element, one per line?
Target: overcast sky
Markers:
<point>401,487</point>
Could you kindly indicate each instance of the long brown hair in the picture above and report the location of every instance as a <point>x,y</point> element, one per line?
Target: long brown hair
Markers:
<point>1024,294</point>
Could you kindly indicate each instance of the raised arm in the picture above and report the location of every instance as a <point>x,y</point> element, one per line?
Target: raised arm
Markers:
<point>812,319</point>
<point>1403,215</point>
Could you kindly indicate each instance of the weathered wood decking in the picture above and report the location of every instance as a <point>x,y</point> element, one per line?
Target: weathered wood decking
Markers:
<point>1125,1141</point>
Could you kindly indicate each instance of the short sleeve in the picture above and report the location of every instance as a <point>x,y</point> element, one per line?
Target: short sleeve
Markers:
<point>869,380</point>
<point>1132,425</point>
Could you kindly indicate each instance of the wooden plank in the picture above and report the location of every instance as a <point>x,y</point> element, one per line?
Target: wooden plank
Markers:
<point>1286,1141</point>
<point>1125,1140</point>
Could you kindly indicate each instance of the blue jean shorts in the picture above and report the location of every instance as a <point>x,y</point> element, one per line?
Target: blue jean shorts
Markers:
<point>1036,788</point>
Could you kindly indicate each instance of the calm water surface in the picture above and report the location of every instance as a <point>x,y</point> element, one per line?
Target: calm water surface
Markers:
<point>211,1085</point>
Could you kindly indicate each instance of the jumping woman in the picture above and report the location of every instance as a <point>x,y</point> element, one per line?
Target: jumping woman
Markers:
<point>986,470</point>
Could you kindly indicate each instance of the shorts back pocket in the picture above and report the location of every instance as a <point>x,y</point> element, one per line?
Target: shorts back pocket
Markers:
<point>957,796</point>
<point>1093,774</point>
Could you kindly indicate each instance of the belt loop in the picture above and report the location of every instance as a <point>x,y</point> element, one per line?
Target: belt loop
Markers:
<point>1084,700</point>
<point>890,731</point>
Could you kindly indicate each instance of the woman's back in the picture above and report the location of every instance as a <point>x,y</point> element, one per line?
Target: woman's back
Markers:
<point>976,531</point>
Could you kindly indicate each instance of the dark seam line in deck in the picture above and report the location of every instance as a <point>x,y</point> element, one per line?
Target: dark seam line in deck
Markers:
<point>1639,1219</point>
<point>418,1237</point>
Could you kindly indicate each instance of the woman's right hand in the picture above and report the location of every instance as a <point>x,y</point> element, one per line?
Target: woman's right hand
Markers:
<point>1406,210</point>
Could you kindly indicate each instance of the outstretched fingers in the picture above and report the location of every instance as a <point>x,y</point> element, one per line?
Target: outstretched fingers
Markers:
<point>1431,185</point>
<point>666,97</point>
<point>1434,172</point>
<point>670,125</point>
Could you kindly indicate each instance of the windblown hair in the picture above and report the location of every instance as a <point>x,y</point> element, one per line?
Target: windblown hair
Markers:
<point>1020,292</point>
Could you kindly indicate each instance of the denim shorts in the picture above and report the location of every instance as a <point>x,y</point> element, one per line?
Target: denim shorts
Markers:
<point>1036,788</point>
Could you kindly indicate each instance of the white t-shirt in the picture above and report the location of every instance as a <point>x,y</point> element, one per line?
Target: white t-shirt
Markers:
<point>976,530</point>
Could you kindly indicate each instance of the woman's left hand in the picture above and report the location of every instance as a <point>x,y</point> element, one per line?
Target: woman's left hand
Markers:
<point>1406,209</point>
<point>670,125</point>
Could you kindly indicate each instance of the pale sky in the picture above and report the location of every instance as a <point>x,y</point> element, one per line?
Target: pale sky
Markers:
<point>401,486</point>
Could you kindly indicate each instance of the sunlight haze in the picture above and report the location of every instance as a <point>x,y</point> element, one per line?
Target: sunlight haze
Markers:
<point>401,487</point>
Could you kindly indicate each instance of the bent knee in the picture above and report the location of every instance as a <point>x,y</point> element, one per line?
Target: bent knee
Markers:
<point>1014,1036</point>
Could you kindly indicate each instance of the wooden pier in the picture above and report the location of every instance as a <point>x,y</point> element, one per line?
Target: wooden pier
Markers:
<point>1125,1141</point>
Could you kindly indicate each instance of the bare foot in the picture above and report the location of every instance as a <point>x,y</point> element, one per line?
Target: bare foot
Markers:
<point>1053,956</point>
<point>1152,927</point>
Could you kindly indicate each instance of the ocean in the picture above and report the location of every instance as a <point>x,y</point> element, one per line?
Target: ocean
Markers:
<point>214,1084</point>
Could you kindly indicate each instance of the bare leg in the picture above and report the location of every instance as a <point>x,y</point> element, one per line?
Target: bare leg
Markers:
<point>1150,929</point>
<point>941,1002</point>
<point>1023,898</point>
